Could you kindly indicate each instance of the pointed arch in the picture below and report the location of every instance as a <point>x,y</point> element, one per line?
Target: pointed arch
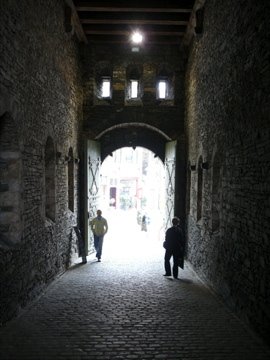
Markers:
<point>10,182</point>
<point>199,189</point>
<point>216,186</point>
<point>50,201</point>
<point>70,179</point>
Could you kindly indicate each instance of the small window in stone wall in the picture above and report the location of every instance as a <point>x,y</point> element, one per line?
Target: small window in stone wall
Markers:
<point>199,189</point>
<point>134,87</point>
<point>103,82</point>
<point>70,180</point>
<point>162,89</point>
<point>106,88</point>
<point>133,92</point>
<point>50,179</point>
<point>164,84</point>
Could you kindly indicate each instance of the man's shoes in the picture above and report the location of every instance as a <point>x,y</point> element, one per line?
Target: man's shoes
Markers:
<point>176,277</point>
<point>166,275</point>
<point>99,260</point>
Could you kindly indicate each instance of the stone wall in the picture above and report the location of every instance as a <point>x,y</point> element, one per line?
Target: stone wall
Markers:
<point>161,117</point>
<point>228,125</point>
<point>40,98</point>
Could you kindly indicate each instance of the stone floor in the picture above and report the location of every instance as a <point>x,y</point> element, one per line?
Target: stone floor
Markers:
<point>123,308</point>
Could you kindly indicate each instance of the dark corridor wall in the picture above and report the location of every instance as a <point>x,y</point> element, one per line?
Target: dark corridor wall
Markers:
<point>40,109</point>
<point>228,128</point>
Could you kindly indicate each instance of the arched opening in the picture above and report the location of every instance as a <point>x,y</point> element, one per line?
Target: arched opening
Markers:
<point>10,182</point>
<point>132,198</point>
<point>131,137</point>
<point>70,180</point>
<point>199,189</point>
<point>216,198</point>
<point>188,189</point>
<point>131,174</point>
<point>50,179</point>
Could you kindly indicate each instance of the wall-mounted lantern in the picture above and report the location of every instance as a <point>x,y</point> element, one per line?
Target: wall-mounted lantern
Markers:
<point>68,158</point>
<point>205,165</point>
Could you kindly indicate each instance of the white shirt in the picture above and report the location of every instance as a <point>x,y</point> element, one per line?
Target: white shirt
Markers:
<point>99,226</point>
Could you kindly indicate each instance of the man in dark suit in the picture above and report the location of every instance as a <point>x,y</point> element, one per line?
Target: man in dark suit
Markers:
<point>174,245</point>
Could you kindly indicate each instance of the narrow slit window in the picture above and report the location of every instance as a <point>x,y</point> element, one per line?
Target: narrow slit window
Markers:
<point>162,89</point>
<point>134,89</point>
<point>106,88</point>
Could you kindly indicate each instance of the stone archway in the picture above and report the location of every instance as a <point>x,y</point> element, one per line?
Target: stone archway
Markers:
<point>151,138</point>
<point>132,135</point>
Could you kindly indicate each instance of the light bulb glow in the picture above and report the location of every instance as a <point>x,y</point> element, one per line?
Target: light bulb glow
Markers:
<point>137,38</point>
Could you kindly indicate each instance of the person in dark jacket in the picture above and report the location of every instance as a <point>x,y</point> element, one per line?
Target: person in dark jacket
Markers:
<point>144,223</point>
<point>174,245</point>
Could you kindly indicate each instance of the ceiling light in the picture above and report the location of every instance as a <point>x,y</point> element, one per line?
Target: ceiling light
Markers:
<point>136,37</point>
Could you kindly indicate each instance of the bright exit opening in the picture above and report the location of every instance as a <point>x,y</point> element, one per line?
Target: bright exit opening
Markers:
<point>132,198</point>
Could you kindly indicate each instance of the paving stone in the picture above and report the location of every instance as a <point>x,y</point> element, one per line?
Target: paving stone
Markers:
<point>123,308</point>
